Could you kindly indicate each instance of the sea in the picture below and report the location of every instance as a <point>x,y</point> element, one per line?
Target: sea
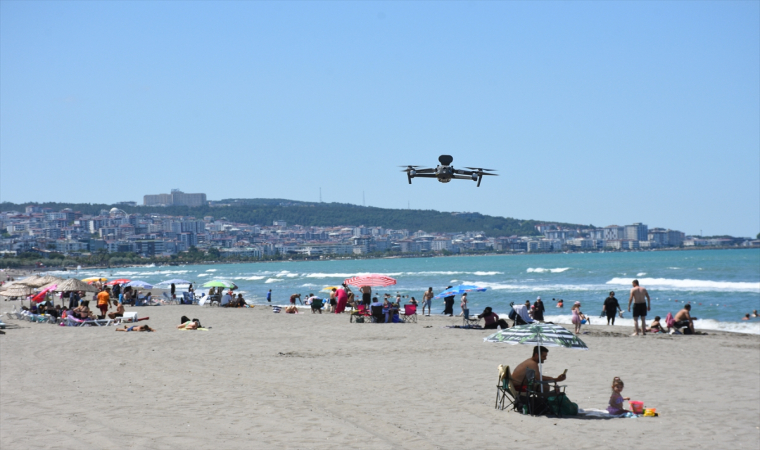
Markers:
<point>721,285</point>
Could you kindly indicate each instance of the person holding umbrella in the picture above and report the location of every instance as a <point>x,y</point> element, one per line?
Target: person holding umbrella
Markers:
<point>521,371</point>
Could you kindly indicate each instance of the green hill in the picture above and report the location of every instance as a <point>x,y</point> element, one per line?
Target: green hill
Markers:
<point>265,211</point>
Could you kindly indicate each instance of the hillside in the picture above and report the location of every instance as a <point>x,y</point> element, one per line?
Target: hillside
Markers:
<point>264,211</point>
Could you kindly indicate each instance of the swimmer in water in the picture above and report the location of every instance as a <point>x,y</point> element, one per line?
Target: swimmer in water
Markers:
<point>560,303</point>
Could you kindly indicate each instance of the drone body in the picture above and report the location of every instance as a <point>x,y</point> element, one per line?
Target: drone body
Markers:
<point>445,172</point>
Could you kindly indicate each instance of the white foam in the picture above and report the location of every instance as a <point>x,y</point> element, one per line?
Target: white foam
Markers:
<point>211,270</point>
<point>273,280</point>
<point>641,274</point>
<point>691,285</point>
<point>701,324</point>
<point>486,274</point>
<point>542,270</point>
<point>532,288</point>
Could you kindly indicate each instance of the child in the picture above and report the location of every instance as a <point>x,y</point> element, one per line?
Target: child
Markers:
<point>578,317</point>
<point>616,400</point>
<point>655,327</point>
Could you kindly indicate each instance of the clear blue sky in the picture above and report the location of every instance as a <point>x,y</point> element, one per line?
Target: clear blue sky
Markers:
<point>593,112</point>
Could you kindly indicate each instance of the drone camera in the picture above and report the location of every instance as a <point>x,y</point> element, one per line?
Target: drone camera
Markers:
<point>446,160</point>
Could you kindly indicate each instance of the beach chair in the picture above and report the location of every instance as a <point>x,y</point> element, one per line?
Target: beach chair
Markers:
<point>316,305</point>
<point>128,317</point>
<point>167,298</point>
<point>410,313</point>
<point>187,298</point>
<point>360,315</point>
<point>506,394</point>
<point>470,321</point>
<point>377,314</point>
<point>71,321</point>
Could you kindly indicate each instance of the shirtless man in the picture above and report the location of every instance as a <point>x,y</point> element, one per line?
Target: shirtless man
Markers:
<point>641,304</point>
<point>684,320</point>
<point>427,300</point>
<point>518,376</point>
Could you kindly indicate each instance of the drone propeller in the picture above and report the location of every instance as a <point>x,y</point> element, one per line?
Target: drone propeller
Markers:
<point>481,170</point>
<point>410,166</point>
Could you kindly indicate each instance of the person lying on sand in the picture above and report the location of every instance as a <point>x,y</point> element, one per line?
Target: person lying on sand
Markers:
<point>189,325</point>
<point>136,328</point>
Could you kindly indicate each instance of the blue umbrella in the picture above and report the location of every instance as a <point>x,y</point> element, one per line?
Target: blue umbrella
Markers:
<point>139,284</point>
<point>461,289</point>
<point>176,281</point>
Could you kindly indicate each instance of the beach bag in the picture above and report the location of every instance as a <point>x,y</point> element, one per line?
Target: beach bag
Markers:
<point>276,309</point>
<point>359,319</point>
<point>561,406</point>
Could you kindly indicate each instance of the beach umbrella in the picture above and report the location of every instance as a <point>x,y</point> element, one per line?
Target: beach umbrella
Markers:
<point>72,284</point>
<point>41,295</point>
<point>461,289</point>
<point>17,291</point>
<point>176,281</point>
<point>220,283</point>
<point>538,334</point>
<point>29,281</point>
<point>119,281</point>
<point>330,288</point>
<point>94,279</point>
<point>139,284</point>
<point>373,280</point>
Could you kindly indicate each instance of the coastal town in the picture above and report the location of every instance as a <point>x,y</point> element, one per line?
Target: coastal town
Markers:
<point>46,232</point>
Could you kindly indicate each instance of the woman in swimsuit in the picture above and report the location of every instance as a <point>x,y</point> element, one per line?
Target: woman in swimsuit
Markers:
<point>136,328</point>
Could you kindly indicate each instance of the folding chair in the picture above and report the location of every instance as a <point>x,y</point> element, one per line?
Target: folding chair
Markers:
<point>469,322</point>
<point>377,314</point>
<point>361,315</point>
<point>410,313</point>
<point>187,298</point>
<point>316,305</point>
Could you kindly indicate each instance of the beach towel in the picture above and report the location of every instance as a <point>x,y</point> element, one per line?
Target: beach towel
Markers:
<point>276,309</point>
<point>670,321</point>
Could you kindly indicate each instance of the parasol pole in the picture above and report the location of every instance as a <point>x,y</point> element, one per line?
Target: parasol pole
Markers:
<point>540,364</point>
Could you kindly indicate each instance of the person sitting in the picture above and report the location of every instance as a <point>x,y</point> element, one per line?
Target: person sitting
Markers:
<point>655,327</point>
<point>492,320</point>
<point>521,316</point>
<point>136,328</point>
<point>240,303</point>
<point>226,301</point>
<point>683,319</point>
<point>292,309</point>
<point>376,307</point>
<point>119,312</point>
<point>521,372</point>
<point>413,302</point>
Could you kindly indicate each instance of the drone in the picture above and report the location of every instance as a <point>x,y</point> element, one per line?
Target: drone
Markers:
<point>445,172</point>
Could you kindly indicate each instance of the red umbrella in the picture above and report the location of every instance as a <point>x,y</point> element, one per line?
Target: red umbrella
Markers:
<point>374,280</point>
<point>119,281</point>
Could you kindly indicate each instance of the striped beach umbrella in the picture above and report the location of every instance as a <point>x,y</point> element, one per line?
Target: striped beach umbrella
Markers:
<point>373,280</point>
<point>538,334</point>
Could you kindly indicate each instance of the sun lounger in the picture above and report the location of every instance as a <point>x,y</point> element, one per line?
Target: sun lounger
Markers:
<point>126,318</point>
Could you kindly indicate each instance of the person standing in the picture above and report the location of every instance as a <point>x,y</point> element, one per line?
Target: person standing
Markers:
<point>611,308</point>
<point>117,292</point>
<point>465,307</point>
<point>341,298</point>
<point>427,300</point>
<point>104,302</point>
<point>366,295</point>
<point>173,291</point>
<point>641,304</point>
<point>448,304</point>
<point>269,296</point>
<point>539,309</point>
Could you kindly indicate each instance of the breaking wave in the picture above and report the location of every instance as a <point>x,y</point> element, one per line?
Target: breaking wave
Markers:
<point>692,285</point>
<point>542,270</point>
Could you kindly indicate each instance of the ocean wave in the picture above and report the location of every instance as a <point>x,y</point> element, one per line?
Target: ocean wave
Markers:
<point>641,274</point>
<point>533,287</point>
<point>251,278</point>
<point>203,275</point>
<point>542,270</point>
<point>273,280</point>
<point>692,285</point>
<point>487,274</point>
<point>701,324</point>
<point>211,270</point>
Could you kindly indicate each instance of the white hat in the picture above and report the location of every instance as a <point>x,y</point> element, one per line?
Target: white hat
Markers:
<point>539,298</point>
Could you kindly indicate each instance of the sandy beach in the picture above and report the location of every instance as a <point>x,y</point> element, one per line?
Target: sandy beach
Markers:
<point>264,380</point>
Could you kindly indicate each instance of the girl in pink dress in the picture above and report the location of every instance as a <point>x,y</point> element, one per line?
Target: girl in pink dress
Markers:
<point>578,317</point>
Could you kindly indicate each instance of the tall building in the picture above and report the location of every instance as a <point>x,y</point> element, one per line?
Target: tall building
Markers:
<point>636,232</point>
<point>176,198</point>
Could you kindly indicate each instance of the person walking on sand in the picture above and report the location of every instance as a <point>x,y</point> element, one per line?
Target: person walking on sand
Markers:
<point>427,301</point>
<point>611,307</point>
<point>641,304</point>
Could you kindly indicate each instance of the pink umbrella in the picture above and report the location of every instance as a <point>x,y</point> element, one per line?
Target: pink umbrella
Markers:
<point>373,280</point>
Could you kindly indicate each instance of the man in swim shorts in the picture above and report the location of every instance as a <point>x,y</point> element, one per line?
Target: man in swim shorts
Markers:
<point>427,300</point>
<point>641,304</point>
<point>104,302</point>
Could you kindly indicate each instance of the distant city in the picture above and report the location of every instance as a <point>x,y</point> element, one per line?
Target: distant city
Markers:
<point>71,233</point>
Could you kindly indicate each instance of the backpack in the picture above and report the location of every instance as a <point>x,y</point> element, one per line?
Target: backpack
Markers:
<point>561,406</point>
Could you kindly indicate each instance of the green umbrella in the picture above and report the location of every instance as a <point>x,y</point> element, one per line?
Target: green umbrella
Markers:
<point>538,334</point>
<point>220,283</point>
